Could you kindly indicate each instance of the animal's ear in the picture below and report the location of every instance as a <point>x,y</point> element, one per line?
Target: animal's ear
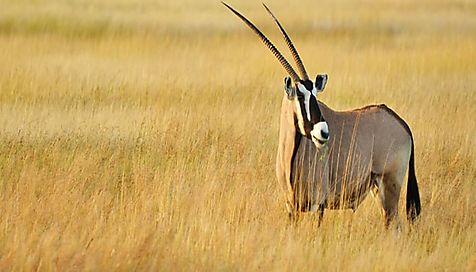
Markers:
<point>288,87</point>
<point>321,81</point>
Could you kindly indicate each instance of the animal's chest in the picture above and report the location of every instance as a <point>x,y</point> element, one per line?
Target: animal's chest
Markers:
<point>340,175</point>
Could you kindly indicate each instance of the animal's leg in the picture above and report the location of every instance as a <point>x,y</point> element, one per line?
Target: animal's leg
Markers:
<point>375,179</point>
<point>387,187</point>
<point>291,210</point>
<point>376,188</point>
<point>320,215</point>
<point>317,214</point>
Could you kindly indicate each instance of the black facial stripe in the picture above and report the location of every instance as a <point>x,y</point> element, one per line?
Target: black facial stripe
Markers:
<point>316,115</point>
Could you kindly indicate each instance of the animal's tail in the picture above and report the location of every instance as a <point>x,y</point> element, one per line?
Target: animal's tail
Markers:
<point>413,195</point>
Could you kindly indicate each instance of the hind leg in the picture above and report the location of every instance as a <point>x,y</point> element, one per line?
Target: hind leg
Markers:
<point>387,189</point>
<point>320,214</point>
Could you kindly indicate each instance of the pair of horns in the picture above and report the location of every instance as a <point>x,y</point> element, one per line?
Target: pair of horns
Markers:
<point>274,50</point>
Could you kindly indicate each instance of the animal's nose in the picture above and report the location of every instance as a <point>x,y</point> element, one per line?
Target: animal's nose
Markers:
<point>325,134</point>
<point>320,133</point>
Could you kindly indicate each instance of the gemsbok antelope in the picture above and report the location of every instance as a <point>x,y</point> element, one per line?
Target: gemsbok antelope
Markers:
<point>332,159</point>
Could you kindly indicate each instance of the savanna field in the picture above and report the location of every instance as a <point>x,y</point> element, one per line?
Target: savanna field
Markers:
<point>142,135</point>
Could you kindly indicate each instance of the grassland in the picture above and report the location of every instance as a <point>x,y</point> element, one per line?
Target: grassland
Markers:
<point>141,135</point>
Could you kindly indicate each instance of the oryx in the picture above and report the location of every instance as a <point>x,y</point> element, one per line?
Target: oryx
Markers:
<point>331,159</point>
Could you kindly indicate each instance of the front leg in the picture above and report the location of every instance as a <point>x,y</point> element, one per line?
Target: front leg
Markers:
<point>320,215</point>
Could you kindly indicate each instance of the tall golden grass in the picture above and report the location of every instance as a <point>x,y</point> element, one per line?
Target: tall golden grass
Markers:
<point>141,135</point>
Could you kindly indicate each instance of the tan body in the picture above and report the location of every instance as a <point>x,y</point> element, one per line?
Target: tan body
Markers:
<point>369,149</point>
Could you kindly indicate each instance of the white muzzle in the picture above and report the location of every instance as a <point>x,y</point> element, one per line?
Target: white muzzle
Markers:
<point>320,134</point>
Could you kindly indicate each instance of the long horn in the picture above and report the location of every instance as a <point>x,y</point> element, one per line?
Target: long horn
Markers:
<point>290,44</point>
<point>274,50</point>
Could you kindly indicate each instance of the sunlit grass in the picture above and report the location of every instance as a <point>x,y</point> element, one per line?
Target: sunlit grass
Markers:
<point>142,136</point>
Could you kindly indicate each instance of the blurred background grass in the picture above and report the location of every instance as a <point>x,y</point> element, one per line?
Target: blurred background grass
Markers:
<point>142,134</point>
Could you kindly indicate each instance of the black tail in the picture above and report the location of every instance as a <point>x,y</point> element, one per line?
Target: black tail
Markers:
<point>413,195</point>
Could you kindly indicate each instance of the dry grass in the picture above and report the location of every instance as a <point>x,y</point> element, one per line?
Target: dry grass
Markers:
<point>142,136</point>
